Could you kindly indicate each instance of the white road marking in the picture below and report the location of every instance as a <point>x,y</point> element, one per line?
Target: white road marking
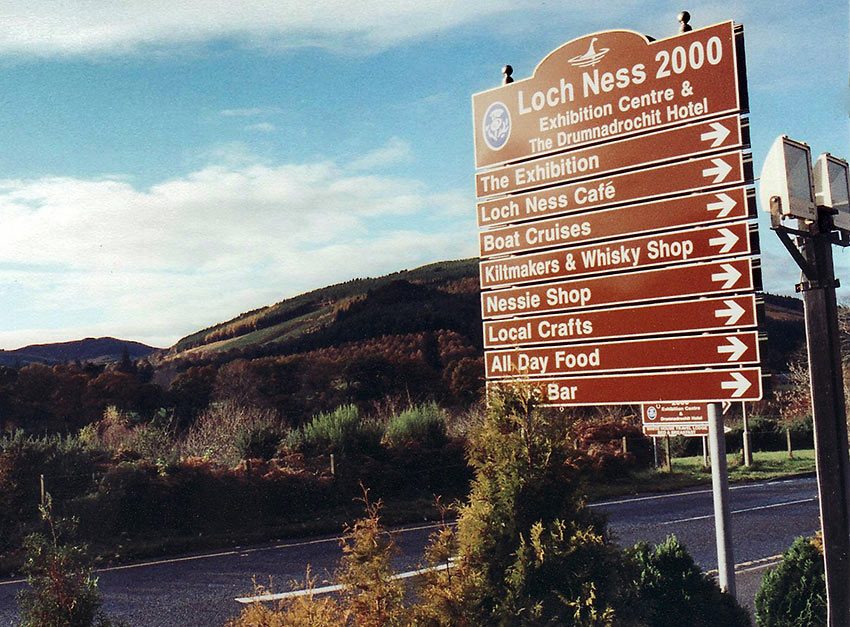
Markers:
<point>740,511</point>
<point>262,598</point>
<point>651,497</point>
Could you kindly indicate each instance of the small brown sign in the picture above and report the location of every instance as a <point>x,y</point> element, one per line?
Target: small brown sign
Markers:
<point>722,170</point>
<point>687,419</point>
<point>650,354</point>
<point>640,151</point>
<point>710,314</point>
<point>617,255</point>
<point>733,275</point>
<point>709,386</point>
<point>657,215</point>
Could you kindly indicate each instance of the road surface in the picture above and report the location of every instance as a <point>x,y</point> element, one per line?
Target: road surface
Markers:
<point>201,589</point>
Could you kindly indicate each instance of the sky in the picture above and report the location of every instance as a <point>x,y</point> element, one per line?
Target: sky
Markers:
<point>166,166</point>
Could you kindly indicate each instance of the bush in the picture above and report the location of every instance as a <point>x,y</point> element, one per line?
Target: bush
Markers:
<point>794,594</point>
<point>258,442</point>
<point>342,431</point>
<point>371,596</point>
<point>66,463</point>
<point>667,585</point>
<point>603,442</point>
<point>63,589</point>
<point>526,551</point>
<point>218,431</point>
<point>424,425</point>
<point>529,552</point>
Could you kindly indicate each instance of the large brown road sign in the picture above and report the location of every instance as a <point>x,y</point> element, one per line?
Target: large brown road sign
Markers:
<point>722,349</point>
<point>698,244</point>
<point>711,314</point>
<point>704,173</point>
<point>608,86</point>
<point>729,276</point>
<point>640,151</point>
<point>711,386</point>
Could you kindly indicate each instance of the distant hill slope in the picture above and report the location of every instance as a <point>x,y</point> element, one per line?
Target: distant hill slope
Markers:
<point>438,296</point>
<point>92,350</point>
<point>395,303</point>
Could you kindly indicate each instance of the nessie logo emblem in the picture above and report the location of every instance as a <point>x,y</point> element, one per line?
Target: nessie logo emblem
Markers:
<point>591,57</point>
<point>496,126</point>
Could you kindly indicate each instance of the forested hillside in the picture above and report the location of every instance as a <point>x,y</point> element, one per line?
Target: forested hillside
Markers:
<point>412,336</point>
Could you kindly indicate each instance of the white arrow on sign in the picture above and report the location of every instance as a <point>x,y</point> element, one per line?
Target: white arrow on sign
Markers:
<point>719,171</point>
<point>730,275</point>
<point>735,348</point>
<point>733,312</point>
<point>724,205</point>
<point>727,240</point>
<point>716,135</point>
<point>740,384</point>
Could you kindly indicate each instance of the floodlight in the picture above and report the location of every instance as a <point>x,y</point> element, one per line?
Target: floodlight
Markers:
<point>786,180</point>
<point>832,188</point>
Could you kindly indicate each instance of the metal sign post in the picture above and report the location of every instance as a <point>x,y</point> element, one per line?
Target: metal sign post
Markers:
<point>720,495</point>
<point>819,206</point>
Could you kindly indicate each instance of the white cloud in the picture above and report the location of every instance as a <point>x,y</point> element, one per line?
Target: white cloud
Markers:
<point>395,151</point>
<point>249,112</point>
<point>199,249</point>
<point>71,28</point>
<point>262,127</point>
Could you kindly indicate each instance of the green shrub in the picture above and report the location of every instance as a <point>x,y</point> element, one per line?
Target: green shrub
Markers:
<point>67,464</point>
<point>424,425</point>
<point>342,431</point>
<point>794,594</point>
<point>666,585</point>
<point>62,587</point>
<point>259,441</point>
<point>529,552</point>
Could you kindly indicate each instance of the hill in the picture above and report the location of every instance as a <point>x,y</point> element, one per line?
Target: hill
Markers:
<point>438,296</point>
<point>92,350</point>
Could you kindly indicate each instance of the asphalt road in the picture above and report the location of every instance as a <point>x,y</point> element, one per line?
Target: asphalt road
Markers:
<point>200,589</point>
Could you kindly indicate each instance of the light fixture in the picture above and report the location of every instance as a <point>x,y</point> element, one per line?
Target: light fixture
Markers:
<point>832,188</point>
<point>786,180</point>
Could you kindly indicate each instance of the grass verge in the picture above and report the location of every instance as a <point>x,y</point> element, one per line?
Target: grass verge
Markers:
<point>690,471</point>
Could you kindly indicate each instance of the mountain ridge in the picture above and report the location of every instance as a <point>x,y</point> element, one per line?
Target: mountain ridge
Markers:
<point>98,350</point>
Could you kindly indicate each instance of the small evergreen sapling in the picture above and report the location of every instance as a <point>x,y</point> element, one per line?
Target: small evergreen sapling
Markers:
<point>63,589</point>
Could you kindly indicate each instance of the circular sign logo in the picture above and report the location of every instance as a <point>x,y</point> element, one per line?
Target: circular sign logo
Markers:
<point>496,125</point>
<point>651,412</point>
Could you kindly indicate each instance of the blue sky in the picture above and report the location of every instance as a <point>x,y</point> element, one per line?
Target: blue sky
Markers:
<point>166,166</point>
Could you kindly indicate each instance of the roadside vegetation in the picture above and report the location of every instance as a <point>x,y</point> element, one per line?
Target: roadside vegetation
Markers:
<point>268,426</point>
<point>525,551</point>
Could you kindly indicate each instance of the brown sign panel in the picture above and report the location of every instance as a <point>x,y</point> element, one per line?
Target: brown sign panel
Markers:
<point>725,349</point>
<point>733,275</point>
<point>688,430</point>
<point>710,386</point>
<point>625,254</point>
<point>606,86</point>
<point>712,314</point>
<point>688,419</point>
<point>693,210</point>
<point>662,413</point>
<point>703,173</point>
<point>642,150</point>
